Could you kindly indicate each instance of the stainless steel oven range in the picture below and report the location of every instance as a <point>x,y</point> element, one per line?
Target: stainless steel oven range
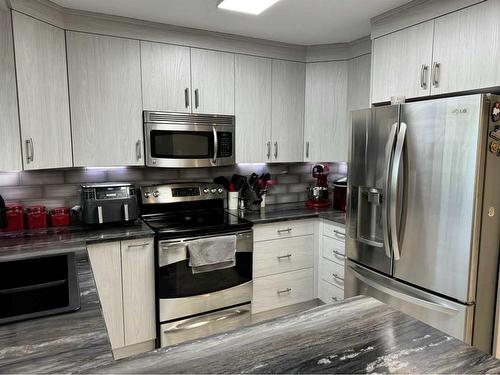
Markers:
<point>195,304</point>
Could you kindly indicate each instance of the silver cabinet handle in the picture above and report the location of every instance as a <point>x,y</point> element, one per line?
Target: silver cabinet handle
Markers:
<point>435,74</point>
<point>338,253</point>
<point>287,290</point>
<point>139,245</point>
<point>186,97</point>
<point>287,230</point>
<point>307,149</point>
<point>337,277</point>
<point>269,150</point>
<point>284,256</point>
<point>196,98</point>
<point>30,150</point>
<point>423,76</point>
<point>216,146</point>
<point>275,150</point>
<point>138,149</point>
<point>387,173</point>
<point>339,233</point>
<point>99,215</point>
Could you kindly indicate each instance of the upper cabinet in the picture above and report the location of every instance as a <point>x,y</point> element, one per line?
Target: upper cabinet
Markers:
<point>467,49</point>
<point>253,109</point>
<point>106,107</point>
<point>401,63</point>
<point>212,77</point>
<point>10,152</point>
<point>326,124</point>
<point>358,88</point>
<point>288,100</point>
<point>166,77</point>
<point>40,55</point>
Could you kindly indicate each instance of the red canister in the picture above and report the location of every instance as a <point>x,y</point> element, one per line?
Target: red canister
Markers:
<point>15,216</point>
<point>36,217</point>
<point>59,217</point>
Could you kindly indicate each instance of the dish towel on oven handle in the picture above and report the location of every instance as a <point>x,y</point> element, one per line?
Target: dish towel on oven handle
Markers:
<point>211,254</point>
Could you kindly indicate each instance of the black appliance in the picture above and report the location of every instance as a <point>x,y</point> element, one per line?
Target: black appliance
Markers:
<point>3,214</point>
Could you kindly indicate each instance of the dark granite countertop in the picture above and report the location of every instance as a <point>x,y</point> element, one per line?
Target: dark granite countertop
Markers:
<point>31,243</point>
<point>289,211</point>
<point>358,335</point>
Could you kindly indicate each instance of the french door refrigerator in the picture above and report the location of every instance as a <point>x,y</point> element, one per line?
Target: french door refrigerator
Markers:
<point>423,220</point>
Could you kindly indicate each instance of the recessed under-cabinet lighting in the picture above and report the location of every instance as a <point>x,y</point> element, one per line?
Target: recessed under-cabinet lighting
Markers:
<point>247,6</point>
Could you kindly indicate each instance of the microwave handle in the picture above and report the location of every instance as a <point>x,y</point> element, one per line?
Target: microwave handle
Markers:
<point>216,146</point>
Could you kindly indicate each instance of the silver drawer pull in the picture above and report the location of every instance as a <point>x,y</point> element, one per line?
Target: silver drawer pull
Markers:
<point>338,253</point>
<point>287,290</point>
<point>287,230</point>
<point>141,245</point>
<point>337,277</point>
<point>339,233</point>
<point>335,299</point>
<point>284,256</point>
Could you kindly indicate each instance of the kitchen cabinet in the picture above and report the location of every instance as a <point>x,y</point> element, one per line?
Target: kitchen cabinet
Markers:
<point>106,105</point>
<point>124,276</point>
<point>467,49</point>
<point>402,63</point>
<point>326,124</point>
<point>166,77</point>
<point>331,262</point>
<point>10,152</point>
<point>253,109</point>
<point>283,264</point>
<point>358,87</point>
<point>288,101</point>
<point>42,82</point>
<point>212,77</point>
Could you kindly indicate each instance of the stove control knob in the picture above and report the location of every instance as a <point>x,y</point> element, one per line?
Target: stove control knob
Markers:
<point>156,194</point>
<point>213,190</point>
<point>220,190</point>
<point>147,194</point>
<point>206,191</point>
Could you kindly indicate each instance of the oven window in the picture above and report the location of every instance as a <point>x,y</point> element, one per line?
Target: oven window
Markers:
<point>182,144</point>
<point>177,280</point>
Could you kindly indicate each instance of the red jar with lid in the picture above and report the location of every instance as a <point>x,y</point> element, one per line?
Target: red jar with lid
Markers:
<point>15,216</point>
<point>59,217</point>
<point>36,217</point>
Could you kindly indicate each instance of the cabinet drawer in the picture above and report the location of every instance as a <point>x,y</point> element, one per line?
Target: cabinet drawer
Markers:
<point>333,249</point>
<point>278,256</point>
<point>329,293</point>
<point>334,231</point>
<point>332,272</point>
<point>283,229</point>
<point>271,292</point>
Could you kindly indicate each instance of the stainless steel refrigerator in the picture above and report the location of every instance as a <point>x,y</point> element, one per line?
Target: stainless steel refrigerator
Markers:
<point>423,220</point>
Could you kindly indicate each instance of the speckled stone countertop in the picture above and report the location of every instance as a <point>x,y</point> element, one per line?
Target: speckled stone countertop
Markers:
<point>32,243</point>
<point>358,335</point>
<point>289,211</point>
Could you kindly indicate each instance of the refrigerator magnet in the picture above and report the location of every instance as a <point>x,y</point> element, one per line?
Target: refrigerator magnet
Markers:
<point>495,112</point>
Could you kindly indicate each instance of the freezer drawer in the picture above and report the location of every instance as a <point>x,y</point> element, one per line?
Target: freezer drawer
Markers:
<point>450,317</point>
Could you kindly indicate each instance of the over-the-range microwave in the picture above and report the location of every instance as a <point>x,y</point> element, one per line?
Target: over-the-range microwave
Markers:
<point>175,140</point>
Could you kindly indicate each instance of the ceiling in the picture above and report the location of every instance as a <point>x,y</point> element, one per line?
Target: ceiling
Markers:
<point>305,22</point>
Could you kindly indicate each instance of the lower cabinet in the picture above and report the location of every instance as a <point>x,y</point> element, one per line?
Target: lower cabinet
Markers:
<point>283,264</point>
<point>124,276</point>
<point>331,262</point>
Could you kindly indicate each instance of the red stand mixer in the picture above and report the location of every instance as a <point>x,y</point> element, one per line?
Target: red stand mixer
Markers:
<point>319,195</point>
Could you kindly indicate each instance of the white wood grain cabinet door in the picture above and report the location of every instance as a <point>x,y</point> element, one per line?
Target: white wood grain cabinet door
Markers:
<point>212,77</point>
<point>288,101</point>
<point>106,105</point>
<point>467,49</point>
<point>166,77</point>
<point>398,60</point>
<point>253,109</point>
<point>42,82</point>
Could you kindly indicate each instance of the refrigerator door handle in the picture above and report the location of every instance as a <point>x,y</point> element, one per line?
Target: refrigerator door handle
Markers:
<point>414,299</point>
<point>387,174</point>
<point>398,153</point>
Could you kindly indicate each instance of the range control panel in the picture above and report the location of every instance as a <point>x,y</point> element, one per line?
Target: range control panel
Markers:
<point>181,192</point>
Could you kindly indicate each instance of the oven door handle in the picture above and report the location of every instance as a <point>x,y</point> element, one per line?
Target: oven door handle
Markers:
<point>216,146</point>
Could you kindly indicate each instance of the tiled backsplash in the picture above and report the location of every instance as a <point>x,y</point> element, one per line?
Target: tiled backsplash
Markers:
<point>61,188</point>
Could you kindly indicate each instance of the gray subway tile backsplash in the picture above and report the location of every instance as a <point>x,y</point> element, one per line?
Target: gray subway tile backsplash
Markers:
<point>62,187</point>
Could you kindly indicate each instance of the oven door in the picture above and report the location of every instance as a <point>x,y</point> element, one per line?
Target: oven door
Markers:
<point>182,293</point>
<point>188,145</point>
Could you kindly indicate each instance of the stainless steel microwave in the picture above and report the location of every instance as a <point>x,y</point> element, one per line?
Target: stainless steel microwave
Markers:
<point>174,140</point>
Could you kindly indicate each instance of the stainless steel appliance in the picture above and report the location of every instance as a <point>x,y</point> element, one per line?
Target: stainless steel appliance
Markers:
<point>192,305</point>
<point>109,203</point>
<point>423,212</point>
<point>188,140</point>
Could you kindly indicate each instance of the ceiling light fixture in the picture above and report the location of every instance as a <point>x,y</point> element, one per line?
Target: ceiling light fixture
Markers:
<point>247,6</point>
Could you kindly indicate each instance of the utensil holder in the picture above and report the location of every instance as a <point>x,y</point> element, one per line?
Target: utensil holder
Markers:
<point>232,200</point>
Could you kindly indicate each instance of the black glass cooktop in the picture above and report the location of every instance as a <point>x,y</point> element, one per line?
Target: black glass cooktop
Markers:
<point>195,223</point>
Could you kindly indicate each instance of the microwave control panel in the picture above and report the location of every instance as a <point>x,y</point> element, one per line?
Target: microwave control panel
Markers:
<point>225,144</point>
